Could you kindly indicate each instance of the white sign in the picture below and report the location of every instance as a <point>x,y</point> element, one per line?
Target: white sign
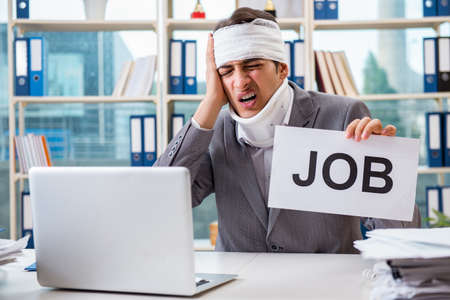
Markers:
<point>322,171</point>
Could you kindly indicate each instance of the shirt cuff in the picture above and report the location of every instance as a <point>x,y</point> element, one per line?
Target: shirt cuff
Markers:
<point>196,125</point>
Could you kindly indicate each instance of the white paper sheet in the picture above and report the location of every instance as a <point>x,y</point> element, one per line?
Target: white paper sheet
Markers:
<point>291,155</point>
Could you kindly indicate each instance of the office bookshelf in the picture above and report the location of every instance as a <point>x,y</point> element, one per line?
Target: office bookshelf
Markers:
<point>18,27</point>
<point>164,26</point>
<point>304,26</point>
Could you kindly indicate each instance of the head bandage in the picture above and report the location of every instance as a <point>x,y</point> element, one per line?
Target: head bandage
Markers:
<point>259,39</point>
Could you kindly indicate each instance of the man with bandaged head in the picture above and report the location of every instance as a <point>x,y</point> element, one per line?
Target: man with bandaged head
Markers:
<point>229,152</point>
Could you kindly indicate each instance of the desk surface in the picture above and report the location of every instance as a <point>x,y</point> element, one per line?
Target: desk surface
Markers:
<point>260,276</point>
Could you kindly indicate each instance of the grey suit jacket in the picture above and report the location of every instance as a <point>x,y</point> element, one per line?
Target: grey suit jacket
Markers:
<point>219,163</point>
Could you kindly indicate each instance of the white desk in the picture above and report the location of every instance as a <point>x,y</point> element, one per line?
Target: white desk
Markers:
<point>261,276</point>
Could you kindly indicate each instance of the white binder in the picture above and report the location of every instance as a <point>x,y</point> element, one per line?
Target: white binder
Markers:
<point>445,204</point>
<point>433,201</point>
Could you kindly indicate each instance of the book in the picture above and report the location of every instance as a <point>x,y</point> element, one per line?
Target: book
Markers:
<point>335,79</point>
<point>32,151</point>
<point>345,80</point>
<point>141,77</point>
<point>121,83</point>
<point>322,74</point>
<point>348,71</point>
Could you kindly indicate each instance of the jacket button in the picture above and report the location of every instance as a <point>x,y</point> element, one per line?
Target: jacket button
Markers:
<point>173,148</point>
<point>170,153</point>
<point>274,247</point>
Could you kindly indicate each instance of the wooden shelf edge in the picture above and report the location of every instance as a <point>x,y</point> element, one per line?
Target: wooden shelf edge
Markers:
<point>203,245</point>
<point>183,97</point>
<point>369,97</point>
<point>194,24</point>
<point>202,24</point>
<point>396,23</point>
<point>433,170</point>
<point>425,96</point>
<point>421,171</point>
<point>85,99</point>
<point>83,25</point>
<point>18,176</point>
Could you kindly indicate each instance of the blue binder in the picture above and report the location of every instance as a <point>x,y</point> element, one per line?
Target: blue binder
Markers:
<point>443,8</point>
<point>443,69</point>
<point>27,219</point>
<point>433,200</point>
<point>36,69</point>
<point>22,9</point>
<point>190,67</point>
<point>319,9</point>
<point>434,139</point>
<point>149,139</point>
<point>176,67</point>
<point>176,124</point>
<point>446,138</point>
<point>289,50</point>
<point>429,8</point>
<point>430,62</point>
<point>137,158</point>
<point>331,10</point>
<point>22,83</point>
<point>299,63</point>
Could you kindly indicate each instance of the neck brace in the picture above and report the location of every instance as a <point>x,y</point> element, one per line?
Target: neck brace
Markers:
<point>259,130</point>
<point>258,39</point>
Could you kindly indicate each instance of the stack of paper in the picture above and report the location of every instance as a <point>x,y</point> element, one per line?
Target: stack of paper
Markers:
<point>10,249</point>
<point>413,263</point>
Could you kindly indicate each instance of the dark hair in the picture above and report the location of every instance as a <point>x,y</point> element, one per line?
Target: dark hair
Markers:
<point>244,15</point>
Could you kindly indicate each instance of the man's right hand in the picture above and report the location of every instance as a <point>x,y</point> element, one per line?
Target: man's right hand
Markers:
<point>215,98</point>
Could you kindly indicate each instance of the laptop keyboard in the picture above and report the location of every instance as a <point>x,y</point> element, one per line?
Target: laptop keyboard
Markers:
<point>199,281</point>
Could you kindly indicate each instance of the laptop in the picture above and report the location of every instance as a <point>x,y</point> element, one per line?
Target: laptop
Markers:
<point>123,229</point>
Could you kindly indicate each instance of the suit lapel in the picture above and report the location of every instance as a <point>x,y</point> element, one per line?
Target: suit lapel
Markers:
<point>240,160</point>
<point>303,114</point>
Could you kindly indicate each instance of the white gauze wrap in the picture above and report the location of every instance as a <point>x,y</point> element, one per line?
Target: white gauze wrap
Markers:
<point>259,39</point>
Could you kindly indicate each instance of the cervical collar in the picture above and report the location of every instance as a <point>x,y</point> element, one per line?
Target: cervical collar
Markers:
<point>259,130</point>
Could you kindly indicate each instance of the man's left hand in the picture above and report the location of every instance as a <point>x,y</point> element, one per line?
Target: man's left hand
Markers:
<point>361,129</point>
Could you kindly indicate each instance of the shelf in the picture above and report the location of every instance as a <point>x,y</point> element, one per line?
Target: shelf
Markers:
<point>193,24</point>
<point>86,99</point>
<point>421,170</point>
<point>203,245</point>
<point>432,22</point>
<point>434,170</point>
<point>370,97</point>
<point>382,97</point>
<point>205,24</point>
<point>183,97</point>
<point>27,25</point>
<point>291,23</point>
<point>19,176</point>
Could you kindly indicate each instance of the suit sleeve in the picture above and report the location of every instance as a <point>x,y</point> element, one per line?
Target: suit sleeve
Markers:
<point>189,148</point>
<point>358,110</point>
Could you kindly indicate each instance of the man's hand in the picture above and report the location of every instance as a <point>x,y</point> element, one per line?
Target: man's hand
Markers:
<point>214,87</point>
<point>361,129</point>
<point>215,98</point>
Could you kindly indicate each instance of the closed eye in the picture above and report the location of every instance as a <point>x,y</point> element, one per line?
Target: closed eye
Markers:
<point>255,66</point>
<point>224,72</point>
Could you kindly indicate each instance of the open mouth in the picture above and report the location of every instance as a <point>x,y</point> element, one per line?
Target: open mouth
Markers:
<point>248,98</point>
